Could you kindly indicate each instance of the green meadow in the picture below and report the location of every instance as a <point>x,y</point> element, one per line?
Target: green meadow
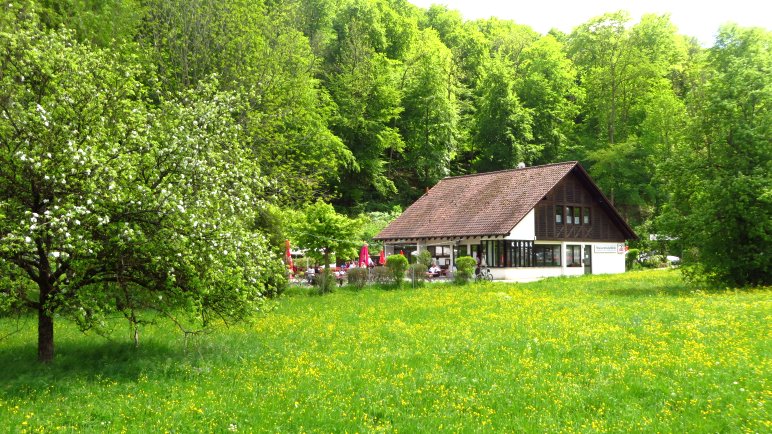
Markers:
<point>637,352</point>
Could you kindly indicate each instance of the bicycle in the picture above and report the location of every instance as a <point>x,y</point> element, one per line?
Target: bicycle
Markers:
<point>483,274</point>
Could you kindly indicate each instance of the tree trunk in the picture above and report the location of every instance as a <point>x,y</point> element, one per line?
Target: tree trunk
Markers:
<point>45,324</point>
<point>45,335</point>
<point>135,328</point>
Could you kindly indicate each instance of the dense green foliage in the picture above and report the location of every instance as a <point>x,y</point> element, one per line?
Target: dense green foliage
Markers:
<point>635,352</point>
<point>721,179</point>
<point>367,102</point>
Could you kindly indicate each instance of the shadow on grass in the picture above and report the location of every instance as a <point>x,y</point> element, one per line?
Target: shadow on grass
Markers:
<point>22,374</point>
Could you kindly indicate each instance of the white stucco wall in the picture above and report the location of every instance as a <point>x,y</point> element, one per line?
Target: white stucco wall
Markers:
<point>526,229</point>
<point>608,262</point>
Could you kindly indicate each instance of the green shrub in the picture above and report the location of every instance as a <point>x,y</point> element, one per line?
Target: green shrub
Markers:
<point>465,266</point>
<point>382,276</point>
<point>417,274</point>
<point>357,277</point>
<point>631,259</point>
<point>324,281</point>
<point>397,264</point>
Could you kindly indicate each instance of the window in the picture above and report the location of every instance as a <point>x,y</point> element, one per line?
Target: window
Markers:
<point>586,216</point>
<point>559,214</point>
<point>573,256</point>
<point>439,251</point>
<point>546,255</point>
<point>507,253</point>
<point>573,215</point>
<point>519,253</point>
<point>492,253</point>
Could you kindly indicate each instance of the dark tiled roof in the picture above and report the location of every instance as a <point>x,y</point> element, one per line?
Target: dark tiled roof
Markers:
<point>482,204</point>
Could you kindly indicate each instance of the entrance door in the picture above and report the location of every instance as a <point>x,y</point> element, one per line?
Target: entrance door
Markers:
<point>587,259</point>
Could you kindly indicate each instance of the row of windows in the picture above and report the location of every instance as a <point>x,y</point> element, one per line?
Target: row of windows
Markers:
<point>508,253</point>
<point>505,253</point>
<point>572,215</point>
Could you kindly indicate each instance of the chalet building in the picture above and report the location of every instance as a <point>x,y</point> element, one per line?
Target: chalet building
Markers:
<point>523,223</point>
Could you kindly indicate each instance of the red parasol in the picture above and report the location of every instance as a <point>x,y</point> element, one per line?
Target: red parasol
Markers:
<point>287,254</point>
<point>402,252</point>
<point>364,256</point>
<point>382,258</point>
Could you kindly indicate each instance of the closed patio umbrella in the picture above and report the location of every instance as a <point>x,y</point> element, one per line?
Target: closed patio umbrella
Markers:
<point>382,258</point>
<point>287,254</point>
<point>364,256</point>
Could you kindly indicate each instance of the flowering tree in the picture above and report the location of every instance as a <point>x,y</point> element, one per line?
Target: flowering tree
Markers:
<point>111,203</point>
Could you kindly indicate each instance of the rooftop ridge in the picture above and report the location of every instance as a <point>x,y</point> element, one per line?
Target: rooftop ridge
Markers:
<point>510,170</point>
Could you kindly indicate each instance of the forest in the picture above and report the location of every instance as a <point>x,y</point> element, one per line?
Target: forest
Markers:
<point>164,143</point>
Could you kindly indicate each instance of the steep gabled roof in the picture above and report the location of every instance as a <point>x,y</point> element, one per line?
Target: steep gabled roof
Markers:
<point>486,204</point>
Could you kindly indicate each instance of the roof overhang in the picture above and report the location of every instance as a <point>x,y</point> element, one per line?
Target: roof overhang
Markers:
<point>442,237</point>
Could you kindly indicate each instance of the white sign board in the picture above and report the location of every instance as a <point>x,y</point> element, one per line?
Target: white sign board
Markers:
<point>609,248</point>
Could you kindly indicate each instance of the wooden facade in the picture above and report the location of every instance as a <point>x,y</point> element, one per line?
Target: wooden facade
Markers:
<point>574,195</point>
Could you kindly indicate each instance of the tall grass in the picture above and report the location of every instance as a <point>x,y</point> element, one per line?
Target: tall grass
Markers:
<point>633,352</point>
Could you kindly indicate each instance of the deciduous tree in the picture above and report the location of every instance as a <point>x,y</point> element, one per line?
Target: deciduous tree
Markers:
<point>721,189</point>
<point>322,232</point>
<point>428,123</point>
<point>113,204</point>
<point>362,81</point>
